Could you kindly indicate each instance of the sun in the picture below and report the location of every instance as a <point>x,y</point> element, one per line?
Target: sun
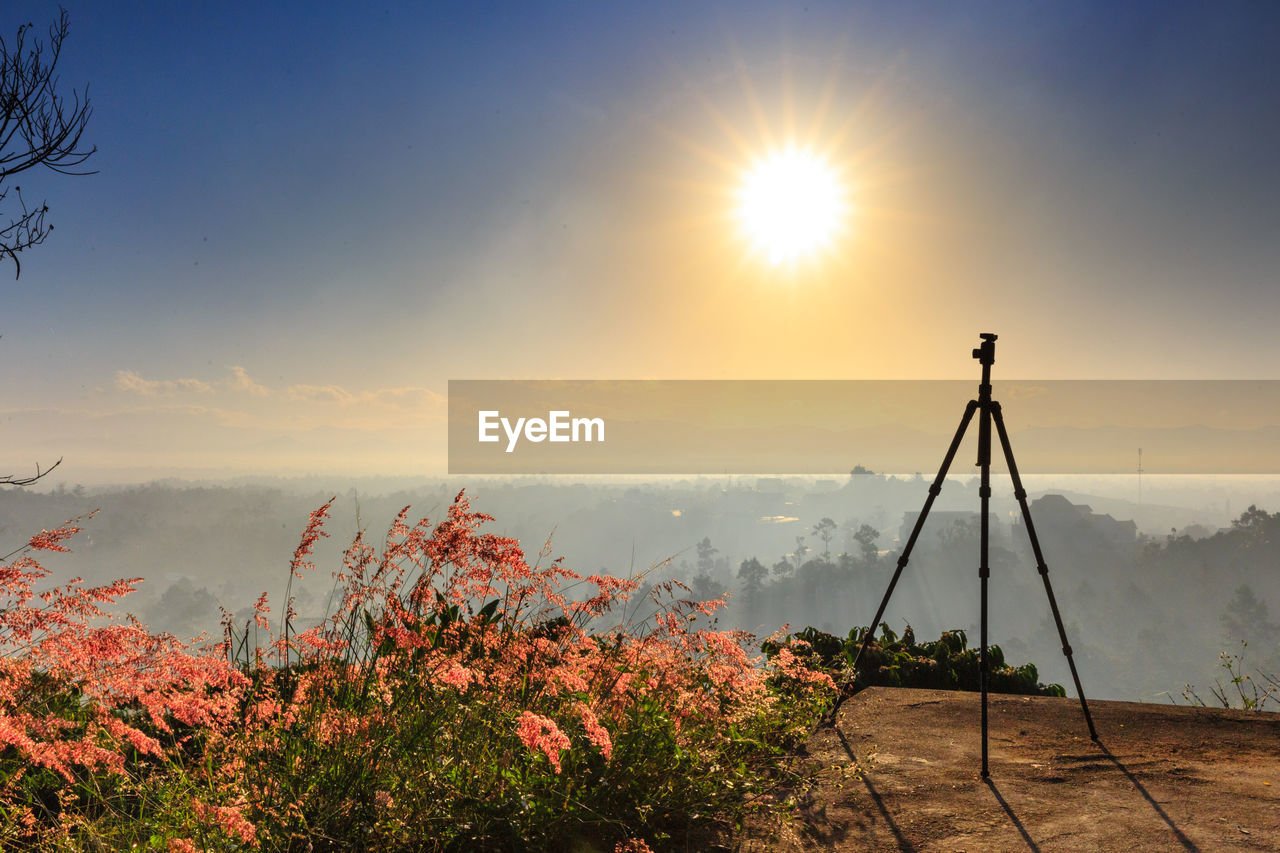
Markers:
<point>791,204</point>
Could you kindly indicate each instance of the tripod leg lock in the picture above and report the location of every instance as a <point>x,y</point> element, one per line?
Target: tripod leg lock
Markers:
<point>1020,494</point>
<point>902,561</point>
<point>1042,568</point>
<point>984,492</point>
<point>984,572</point>
<point>935,489</point>
<point>1066,649</point>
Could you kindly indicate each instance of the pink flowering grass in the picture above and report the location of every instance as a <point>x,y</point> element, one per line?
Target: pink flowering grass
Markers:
<point>461,694</point>
<point>91,706</point>
<point>456,697</point>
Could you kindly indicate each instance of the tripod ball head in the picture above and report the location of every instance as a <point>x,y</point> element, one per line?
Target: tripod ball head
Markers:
<point>986,354</point>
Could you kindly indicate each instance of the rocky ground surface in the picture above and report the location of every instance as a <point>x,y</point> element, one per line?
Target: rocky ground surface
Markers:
<point>898,770</point>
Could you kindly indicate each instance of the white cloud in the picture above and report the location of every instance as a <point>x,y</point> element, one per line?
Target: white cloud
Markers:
<point>237,400</point>
<point>399,398</point>
<point>240,381</point>
<point>128,380</point>
<point>320,393</point>
<point>136,383</point>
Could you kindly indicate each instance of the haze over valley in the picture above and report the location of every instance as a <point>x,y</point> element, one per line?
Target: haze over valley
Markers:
<point>1151,592</point>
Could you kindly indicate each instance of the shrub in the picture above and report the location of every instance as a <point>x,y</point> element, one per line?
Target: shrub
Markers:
<point>893,661</point>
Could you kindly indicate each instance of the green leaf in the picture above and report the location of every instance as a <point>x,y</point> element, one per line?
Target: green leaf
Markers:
<point>486,614</point>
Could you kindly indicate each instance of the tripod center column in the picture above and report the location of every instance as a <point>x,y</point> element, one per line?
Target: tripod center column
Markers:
<point>986,355</point>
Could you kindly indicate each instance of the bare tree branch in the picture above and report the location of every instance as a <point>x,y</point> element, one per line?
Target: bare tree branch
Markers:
<point>38,127</point>
<point>10,480</point>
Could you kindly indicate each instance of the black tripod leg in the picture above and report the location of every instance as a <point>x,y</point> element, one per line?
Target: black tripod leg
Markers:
<point>1021,494</point>
<point>984,565</point>
<point>934,490</point>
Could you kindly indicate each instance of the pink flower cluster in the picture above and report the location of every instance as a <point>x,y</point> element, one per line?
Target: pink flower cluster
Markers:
<point>596,733</point>
<point>230,819</point>
<point>632,845</point>
<point>539,732</point>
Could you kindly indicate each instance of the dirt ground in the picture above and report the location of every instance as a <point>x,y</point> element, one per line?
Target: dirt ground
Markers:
<point>899,771</point>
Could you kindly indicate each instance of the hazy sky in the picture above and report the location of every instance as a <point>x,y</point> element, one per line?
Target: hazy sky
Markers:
<point>309,217</point>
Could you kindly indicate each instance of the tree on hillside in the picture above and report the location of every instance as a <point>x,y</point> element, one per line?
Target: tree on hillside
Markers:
<point>753,575</point>
<point>1247,618</point>
<point>824,530</point>
<point>38,127</point>
<point>704,588</point>
<point>801,550</point>
<point>706,555</point>
<point>1256,527</point>
<point>866,537</point>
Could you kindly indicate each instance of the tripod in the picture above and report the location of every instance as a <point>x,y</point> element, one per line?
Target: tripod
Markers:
<point>989,410</point>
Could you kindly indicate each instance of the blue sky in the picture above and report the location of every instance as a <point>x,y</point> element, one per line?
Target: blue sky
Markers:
<point>308,217</point>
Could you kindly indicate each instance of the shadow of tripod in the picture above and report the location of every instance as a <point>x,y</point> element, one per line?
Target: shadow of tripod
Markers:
<point>988,410</point>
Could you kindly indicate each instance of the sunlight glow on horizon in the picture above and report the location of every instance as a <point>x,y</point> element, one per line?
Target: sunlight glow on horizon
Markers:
<point>791,204</point>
